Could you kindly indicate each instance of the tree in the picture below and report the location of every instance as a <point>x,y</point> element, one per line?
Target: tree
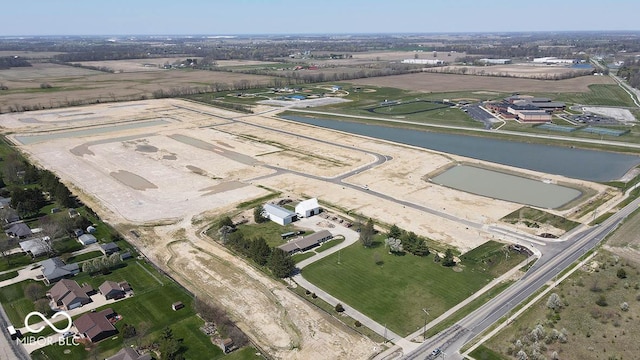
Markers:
<point>27,201</point>
<point>554,302</point>
<point>42,306</point>
<point>170,347</point>
<point>258,216</point>
<point>448,258</point>
<point>602,300</point>
<point>366,234</point>
<point>225,221</point>
<point>339,308</point>
<point>259,251</point>
<point>395,232</point>
<point>34,292</point>
<point>395,245</point>
<point>5,246</point>
<point>87,267</point>
<point>280,263</point>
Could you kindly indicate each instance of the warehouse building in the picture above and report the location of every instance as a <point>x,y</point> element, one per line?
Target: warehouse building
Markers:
<point>278,214</point>
<point>308,208</point>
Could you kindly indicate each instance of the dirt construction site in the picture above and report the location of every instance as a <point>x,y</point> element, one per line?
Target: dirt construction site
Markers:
<point>166,168</point>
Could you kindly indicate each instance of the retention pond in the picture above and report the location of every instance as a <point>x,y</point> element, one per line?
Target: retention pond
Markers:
<point>582,164</point>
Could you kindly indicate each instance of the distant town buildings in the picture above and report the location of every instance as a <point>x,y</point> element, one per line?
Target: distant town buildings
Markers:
<point>494,61</point>
<point>423,61</point>
<point>554,60</point>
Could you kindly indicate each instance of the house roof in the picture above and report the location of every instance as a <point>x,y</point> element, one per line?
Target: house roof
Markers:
<point>36,247</point>
<point>109,286</point>
<point>55,268</point>
<point>306,241</point>
<point>68,291</point>
<point>92,324</point>
<point>110,247</point>
<point>129,354</point>
<point>304,206</point>
<point>19,229</point>
<point>278,211</point>
<point>87,239</point>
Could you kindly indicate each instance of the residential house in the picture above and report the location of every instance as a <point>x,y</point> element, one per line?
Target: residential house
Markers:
<point>87,239</point>
<point>129,353</point>
<point>307,242</point>
<point>111,290</point>
<point>36,247</point>
<point>55,269</point>
<point>19,230</point>
<point>109,248</point>
<point>68,295</point>
<point>96,326</point>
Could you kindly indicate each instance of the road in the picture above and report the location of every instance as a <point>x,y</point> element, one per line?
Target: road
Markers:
<point>556,257</point>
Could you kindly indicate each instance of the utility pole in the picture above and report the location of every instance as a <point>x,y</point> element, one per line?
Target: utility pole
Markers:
<point>424,331</point>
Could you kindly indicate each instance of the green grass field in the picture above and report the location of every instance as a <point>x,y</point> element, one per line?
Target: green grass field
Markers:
<point>15,304</point>
<point>329,244</point>
<point>484,353</point>
<point>393,289</point>
<point>406,108</point>
<point>535,216</point>
<point>8,275</point>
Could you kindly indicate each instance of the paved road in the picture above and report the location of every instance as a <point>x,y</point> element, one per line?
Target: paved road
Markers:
<point>556,257</point>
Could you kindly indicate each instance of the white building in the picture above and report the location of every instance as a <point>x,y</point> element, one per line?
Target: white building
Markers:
<point>278,214</point>
<point>308,208</point>
<point>423,61</point>
<point>495,61</point>
<point>87,239</point>
<point>554,60</point>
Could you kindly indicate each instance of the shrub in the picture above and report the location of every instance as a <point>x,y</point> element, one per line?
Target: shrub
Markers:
<point>358,323</point>
<point>313,295</point>
<point>624,306</point>
<point>621,274</point>
<point>554,302</point>
<point>339,308</point>
<point>602,301</point>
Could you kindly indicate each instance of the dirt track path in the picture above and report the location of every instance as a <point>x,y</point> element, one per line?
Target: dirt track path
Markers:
<point>277,320</point>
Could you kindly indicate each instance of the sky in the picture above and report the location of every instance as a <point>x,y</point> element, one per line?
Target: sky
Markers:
<point>220,17</point>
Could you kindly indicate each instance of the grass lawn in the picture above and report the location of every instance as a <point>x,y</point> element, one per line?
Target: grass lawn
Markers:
<point>141,276</point>
<point>85,256</point>
<point>329,244</point>
<point>302,256</point>
<point>269,230</point>
<point>394,289</point>
<point>484,353</point>
<point>537,217</point>
<point>14,261</point>
<point>66,245</point>
<point>9,275</point>
<point>15,304</point>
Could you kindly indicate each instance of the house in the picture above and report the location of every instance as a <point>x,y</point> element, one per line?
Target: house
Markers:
<point>77,232</point>
<point>68,295</point>
<point>11,218</point>
<point>111,290</point>
<point>55,269</point>
<point>96,326</point>
<point>129,353</point>
<point>36,247</point>
<point>125,255</point>
<point>226,345</point>
<point>19,230</point>
<point>177,305</point>
<point>87,239</point>
<point>308,208</point>
<point>73,213</point>
<point>278,214</point>
<point>109,248</point>
<point>307,242</point>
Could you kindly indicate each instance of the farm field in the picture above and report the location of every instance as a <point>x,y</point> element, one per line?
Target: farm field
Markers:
<point>431,82</point>
<point>543,72</point>
<point>73,86</point>
<point>394,289</point>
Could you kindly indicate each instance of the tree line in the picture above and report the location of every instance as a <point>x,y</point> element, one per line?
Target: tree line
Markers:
<point>7,62</point>
<point>630,71</point>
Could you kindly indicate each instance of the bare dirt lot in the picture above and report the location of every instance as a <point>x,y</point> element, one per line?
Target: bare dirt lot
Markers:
<point>430,82</point>
<point>169,179</point>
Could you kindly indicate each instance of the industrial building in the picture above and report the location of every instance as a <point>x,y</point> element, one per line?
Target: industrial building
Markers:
<point>555,61</point>
<point>278,214</point>
<point>308,208</point>
<point>494,61</point>
<point>423,61</point>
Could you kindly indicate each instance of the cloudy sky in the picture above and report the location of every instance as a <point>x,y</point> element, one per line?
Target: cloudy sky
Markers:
<point>214,17</point>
